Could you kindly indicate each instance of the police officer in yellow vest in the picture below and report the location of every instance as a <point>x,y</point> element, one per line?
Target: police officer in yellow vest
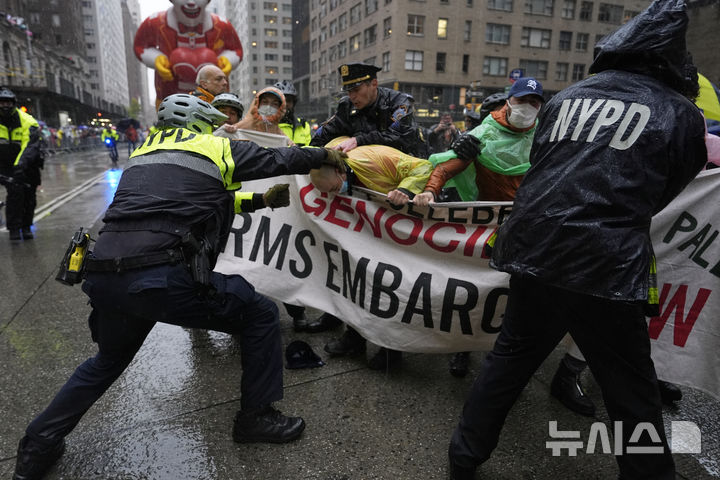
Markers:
<point>21,158</point>
<point>297,129</point>
<point>153,261</point>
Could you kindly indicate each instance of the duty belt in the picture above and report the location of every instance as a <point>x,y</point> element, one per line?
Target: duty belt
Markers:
<point>121,264</point>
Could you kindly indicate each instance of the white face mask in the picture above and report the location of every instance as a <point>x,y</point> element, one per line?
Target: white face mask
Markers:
<point>522,115</point>
<point>267,111</point>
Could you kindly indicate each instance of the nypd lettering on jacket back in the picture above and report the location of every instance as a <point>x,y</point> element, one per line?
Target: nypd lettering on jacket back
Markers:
<point>627,121</point>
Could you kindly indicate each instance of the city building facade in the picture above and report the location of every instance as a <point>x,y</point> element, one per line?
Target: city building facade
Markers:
<point>265,30</point>
<point>448,53</point>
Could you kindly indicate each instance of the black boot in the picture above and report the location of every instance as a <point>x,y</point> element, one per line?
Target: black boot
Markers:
<point>300,323</point>
<point>459,364</point>
<point>15,235</point>
<point>35,459</point>
<point>669,392</point>
<point>566,386</point>
<point>27,233</point>
<point>385,359</point>
<point>266,424</point>
<point>324,322</point>
<point>456,472</point>
<point>350,343</point>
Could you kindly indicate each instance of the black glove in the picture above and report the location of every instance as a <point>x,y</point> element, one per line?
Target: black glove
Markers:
<point>336,159</point>
<point>277,196</point>
<point>467,147</point>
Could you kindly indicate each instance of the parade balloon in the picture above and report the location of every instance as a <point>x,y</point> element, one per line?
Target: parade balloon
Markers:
<point>187,61</point>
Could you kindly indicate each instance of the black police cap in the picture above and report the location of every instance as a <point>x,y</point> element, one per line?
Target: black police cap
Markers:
<point>353,73</point>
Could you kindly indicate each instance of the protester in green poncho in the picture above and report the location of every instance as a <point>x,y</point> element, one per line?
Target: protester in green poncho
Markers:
<point>488,163</point>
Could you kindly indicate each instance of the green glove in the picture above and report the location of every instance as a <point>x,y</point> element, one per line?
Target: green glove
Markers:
<point>336,159</point>
<point>277,196</point>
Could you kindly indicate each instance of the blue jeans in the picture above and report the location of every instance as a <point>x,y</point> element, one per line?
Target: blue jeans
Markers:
<point>125,309</point>
<point>613,337</point>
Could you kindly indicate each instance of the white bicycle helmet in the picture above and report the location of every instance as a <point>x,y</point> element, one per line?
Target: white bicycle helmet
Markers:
<point>187,111</point>
<point>228,100</point>
<point>286,87</point>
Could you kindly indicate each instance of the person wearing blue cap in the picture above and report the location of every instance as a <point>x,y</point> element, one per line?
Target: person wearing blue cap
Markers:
<point>609,152</point>
<point>488,163</point>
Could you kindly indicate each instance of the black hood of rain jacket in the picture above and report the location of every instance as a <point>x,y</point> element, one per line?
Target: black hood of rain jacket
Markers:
<point>609,153</point>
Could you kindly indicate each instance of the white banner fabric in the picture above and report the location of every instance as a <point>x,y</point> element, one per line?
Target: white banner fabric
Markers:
<point>415,279</point>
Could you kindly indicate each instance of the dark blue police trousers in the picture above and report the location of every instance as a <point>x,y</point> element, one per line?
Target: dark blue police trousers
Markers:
<point>612,335</point>
<point>127,305</point>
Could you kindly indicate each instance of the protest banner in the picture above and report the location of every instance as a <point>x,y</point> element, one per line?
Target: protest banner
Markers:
<point>418,280</point>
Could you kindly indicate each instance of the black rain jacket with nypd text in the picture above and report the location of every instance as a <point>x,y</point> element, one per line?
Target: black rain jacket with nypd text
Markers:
<point>609,153</point>
<point>388,121</point>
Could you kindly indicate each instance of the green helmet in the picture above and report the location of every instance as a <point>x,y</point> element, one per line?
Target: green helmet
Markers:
<point>182,110</point>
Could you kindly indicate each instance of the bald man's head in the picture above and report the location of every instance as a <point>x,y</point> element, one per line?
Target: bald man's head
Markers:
<point>212,79</point>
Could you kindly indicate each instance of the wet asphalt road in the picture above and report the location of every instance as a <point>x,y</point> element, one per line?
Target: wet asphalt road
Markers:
<point>170,415</point>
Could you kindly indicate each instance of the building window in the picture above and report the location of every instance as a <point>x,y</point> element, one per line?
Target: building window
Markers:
<point>581,42</point>
<point>270,19</point>
<point>565,41</point>
<point>629,15</point>
<point>539,7</point>
<point>608,13</point>
<point>313,45</point>
<point>370,35</point>
<point>287,21</point>
<point>386,61</point>
<point>495,66</point>
<point>497,33</point>
<point>469,3</point>
<point>355,43</point>
<point>287,45</point>
<point>578,72</point>
<point>568,9</point>
<point>467,31</point>
<point>505,5</point>
<point>342,49</point>
<point>333,28</point>
<point>534,68</point>
<point>355,14</point>
<point>271,57</point>
<point>465,63</point>
<point>586,9</point>
<point>414,60</point>
<point>561,72</point>
<point>342,22</point>
<point>271,70</point>
<point>313,66</point>
<point>369,61</point>
<point>599,37</point>
<point>323,34</point>
<point>287,58</point>
<point>370,6</point>
<point>440,60</point>
<point>442,28</point>
<point>415,25</point>
<point>535,37</point>
<point>387,27</point>
<point>271,44</point>
<point>272,32</point>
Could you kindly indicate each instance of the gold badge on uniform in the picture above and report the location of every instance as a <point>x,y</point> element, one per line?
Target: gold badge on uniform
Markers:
<point>344,70</point>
